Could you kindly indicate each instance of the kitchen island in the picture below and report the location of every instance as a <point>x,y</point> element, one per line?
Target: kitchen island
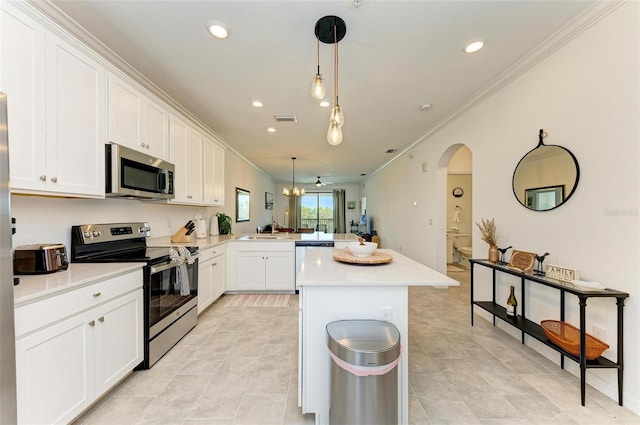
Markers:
<point>331,290</point>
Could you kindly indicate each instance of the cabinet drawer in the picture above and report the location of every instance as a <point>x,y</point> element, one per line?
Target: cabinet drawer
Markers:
<point>47,311</point>
<point>210,253</point>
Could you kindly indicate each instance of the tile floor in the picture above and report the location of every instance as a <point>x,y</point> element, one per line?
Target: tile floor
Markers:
<point>239,366</point>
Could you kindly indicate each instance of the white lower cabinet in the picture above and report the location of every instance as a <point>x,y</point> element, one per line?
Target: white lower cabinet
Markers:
<point>211,276</point>
<point>90,344</point>
<point>262,266</point>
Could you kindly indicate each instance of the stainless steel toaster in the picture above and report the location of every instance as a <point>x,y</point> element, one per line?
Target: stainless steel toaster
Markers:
<point>40,258</point>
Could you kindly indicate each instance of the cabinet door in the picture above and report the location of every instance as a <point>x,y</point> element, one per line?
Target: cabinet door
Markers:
<point>22,78</point>
<point>218,175</point>
<point>208,188</point>
<point>125,107</point>
<point>250,270</point>
<point>213,173</point>
<point>218,277</point>
<point>119,339</point>
<point>280,271</point>
<point>75,88</point>
<point>155,125</point>
<point>178,135</point>
<point>194,166</point>
<point>205,287</point>
<point>54,369</point>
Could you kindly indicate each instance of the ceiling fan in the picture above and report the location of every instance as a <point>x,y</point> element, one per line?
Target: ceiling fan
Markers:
<point>320,184</point>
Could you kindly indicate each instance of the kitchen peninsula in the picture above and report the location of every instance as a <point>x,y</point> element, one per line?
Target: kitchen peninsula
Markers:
<point>331,290</point>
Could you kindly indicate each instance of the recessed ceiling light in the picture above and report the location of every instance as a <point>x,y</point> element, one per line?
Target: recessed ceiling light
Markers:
<point>324,103</point>
<point>425,106</point>
<point>257,103</point>
<point>474,46</point>
<point>271,130</point>
<point>218,29</point>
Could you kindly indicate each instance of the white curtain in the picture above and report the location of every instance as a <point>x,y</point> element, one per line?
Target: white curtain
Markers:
<point>339,211</point>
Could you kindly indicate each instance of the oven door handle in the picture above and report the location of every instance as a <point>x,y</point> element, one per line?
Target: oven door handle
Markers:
<point>163,267</point>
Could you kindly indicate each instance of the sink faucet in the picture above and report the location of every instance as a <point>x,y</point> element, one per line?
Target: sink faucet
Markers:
<point>273,225</point>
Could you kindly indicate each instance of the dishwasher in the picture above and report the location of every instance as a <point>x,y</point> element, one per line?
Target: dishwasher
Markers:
<point>301,247</point>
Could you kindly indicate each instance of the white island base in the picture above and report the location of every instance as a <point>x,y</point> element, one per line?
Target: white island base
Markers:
<point>330,291</point>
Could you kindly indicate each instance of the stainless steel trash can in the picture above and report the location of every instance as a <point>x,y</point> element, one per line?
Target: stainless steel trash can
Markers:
<point>364,372</point>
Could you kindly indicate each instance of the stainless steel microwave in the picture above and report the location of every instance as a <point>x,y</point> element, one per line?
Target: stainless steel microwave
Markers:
<point>133,174</point>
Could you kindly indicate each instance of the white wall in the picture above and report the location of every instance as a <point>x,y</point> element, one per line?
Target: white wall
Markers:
<point>586,95</point>
<point>48,219</point>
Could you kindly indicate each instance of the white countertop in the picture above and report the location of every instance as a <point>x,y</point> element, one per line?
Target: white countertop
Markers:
<point>212,241</point>
<point>204,243</point>
<point>320,269</point>
<point>33,287</point>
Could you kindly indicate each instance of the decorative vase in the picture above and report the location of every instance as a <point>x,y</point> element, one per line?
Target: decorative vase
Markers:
<point>493,254</point>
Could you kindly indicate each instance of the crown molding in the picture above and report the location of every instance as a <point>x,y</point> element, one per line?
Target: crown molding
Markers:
<point>582,22</point>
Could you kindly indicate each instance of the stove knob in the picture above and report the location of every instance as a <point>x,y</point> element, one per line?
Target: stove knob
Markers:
<point>96,233</point>
<point>144,229</point>
<point>87,234</point>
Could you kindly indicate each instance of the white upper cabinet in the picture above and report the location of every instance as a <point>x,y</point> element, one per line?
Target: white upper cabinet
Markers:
<point>56,98</point>
<point>186,155</point>
<point>136,120</point>
<point>199,162</point>
<point>213,156</point>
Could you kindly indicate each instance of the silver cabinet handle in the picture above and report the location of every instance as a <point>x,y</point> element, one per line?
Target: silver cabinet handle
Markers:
<point>97,294</point>
<point>101,319</point>
<point>54,179</point>
<point>43,177</point>
<point>92,323</point>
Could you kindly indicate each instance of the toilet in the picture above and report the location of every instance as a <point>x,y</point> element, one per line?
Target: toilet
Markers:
<point>462,246</point>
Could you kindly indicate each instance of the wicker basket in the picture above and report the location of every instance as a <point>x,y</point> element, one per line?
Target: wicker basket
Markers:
<point>567,337</point>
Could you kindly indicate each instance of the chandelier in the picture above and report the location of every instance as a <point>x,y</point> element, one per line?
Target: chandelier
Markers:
<point>330,30</point>
<point>293,191</point>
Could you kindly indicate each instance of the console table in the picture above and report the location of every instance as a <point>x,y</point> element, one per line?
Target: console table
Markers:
<point>533,329</point>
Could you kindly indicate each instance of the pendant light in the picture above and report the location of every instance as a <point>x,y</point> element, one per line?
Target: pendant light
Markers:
<point>330,30</point>
<point>293,191</point>
<point>317,86</point>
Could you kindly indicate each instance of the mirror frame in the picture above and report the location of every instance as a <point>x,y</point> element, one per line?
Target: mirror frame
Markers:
<point>565,190</point>
<point>242,210</point>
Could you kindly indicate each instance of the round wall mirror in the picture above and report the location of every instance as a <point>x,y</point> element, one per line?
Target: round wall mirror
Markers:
<point>545,177</point>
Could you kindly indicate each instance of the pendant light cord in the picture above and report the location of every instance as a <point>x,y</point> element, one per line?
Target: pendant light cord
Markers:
<point>335,73</point>
<point>318,55</point>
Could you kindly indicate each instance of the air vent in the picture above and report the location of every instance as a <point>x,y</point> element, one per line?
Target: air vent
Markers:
<point>391,151</point>
<point>285,118</point>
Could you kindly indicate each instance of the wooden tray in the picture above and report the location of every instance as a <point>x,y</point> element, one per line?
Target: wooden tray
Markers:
<point>345,256</point>
<point>568,338</point>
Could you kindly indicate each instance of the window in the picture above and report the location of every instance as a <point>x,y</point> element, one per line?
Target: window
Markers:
<point>316,211</point>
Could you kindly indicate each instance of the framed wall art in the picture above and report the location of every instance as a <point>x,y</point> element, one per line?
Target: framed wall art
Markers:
<point>242,205</point>
<point>268,201</point>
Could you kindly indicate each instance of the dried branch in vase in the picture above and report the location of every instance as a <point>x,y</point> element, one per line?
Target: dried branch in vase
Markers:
<point>488,231</point>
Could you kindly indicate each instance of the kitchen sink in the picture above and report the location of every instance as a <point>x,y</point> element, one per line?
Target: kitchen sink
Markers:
<point>269,237</point>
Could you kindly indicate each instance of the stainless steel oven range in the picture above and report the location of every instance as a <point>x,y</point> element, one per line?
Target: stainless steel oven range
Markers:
<point>170,310</point>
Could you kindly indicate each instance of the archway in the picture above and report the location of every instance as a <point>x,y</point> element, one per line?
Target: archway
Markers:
<point>455,221</point>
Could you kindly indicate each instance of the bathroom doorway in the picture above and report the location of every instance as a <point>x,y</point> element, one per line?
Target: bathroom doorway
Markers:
<point>459,214</point>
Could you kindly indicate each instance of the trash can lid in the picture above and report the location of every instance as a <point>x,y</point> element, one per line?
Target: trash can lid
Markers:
<point>364,342</point>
